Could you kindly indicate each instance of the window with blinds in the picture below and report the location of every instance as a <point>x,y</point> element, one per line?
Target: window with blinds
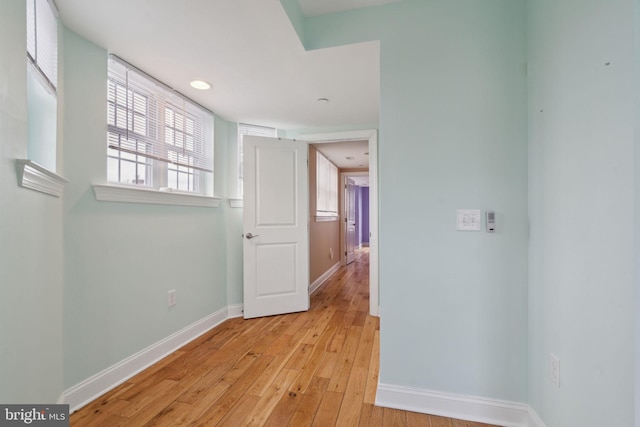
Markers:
<point>246,129</point>
<point>42,40</point>
<point>156,137</point>
<point>326,187</point>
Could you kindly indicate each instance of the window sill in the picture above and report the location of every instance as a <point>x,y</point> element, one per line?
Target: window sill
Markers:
<point>236,203</point>
<point>327,218</point>
<point>32,175</point>
<point>126,194</point>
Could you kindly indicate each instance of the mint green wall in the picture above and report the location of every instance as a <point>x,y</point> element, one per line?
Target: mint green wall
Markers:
<point>30,242</point>
<point>453,135</point>
<point>581,196</point>
<point>123,258</point>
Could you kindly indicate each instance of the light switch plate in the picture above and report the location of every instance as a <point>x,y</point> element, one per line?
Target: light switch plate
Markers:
<point>469,220</point>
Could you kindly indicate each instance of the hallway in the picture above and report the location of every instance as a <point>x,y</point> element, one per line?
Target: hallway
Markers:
<point>315,368</point>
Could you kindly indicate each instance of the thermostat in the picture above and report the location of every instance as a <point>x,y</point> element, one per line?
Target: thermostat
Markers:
<point>491,222</point>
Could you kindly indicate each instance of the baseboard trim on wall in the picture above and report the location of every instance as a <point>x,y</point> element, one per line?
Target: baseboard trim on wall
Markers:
<point>100,383</point>
<point>320,280</point>
<point>470,408</point>
<point>235,310</point>
<point>534,419</point>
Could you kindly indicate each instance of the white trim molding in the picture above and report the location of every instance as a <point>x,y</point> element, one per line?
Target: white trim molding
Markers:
<point>127,194</point>
<point>534,419</point>
<point>97,385</point>
<point>236,203</point>
<point>235,310</point>
<point>320,280</point>
<point>470,408</point>
<point>36,177</point>
<point>327,218</point>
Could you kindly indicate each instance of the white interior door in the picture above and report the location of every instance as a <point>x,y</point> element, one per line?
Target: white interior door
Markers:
<point>350,219</point>
<point>276,236</point>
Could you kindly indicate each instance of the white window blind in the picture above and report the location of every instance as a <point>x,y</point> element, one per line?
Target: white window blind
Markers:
<point>326,187</point>
<point>247,129</point>
<point>156,137</point>
<point>42,39</point>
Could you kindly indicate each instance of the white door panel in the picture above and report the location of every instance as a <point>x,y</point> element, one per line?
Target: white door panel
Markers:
<point>276,247</point>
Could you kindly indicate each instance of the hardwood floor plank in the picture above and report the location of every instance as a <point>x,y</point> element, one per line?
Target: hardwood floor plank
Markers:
<point>236,391</point>
<point>313,396</point>
<point>351,406</point>
<point>345,360</point>
<point>316,368</point>
<point>328,410</point>
<point>269,400</point>
<point>436,421</point>
<point>238,412</point>
<point>394,418</point>
<point>417,420</point>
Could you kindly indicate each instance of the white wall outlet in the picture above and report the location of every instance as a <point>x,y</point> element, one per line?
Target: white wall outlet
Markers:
<point>554,369</point>
<point>171,298</point>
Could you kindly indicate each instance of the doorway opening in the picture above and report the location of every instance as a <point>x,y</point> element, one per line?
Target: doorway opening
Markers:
<point>370,140</point>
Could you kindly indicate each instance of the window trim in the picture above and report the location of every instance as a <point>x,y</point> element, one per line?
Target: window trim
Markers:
<point>36,177</point>
<point>133,194</point>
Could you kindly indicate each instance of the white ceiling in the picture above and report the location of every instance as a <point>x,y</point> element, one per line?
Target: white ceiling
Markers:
<point>346,155</point>
<point>247,49</point>
<point>322,7</point>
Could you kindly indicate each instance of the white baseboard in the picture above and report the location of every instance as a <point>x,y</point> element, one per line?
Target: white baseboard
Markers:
<point>100,383</point>
<point>534,419</point>
<point>470,408</point>
<point>320,280</point>
<point>235,310</point>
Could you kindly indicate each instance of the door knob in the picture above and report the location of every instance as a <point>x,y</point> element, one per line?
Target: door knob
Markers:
<point>251,236</point>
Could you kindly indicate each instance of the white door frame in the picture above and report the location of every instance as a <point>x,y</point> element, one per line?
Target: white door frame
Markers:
<point>343,237</point>
<point>372,136</point>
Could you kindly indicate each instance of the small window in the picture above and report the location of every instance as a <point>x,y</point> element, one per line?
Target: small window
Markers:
<point>245,129</point>
<point>326,187</point>
<point>42,80</point>
<point>156,137</point>
<point>42,39</point>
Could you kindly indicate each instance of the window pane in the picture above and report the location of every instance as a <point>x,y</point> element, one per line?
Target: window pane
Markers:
<point>112,169</point>
<point>127,172</point>
<point>183,181</point>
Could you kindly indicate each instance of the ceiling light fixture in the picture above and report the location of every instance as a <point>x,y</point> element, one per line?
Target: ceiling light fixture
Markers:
<point>323,100</point>
<point>200,84</point>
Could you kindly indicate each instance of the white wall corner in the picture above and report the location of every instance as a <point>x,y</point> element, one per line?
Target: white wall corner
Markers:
<point>235,310</point>
<point>320,280</point>
<point>36,177</point>
<point>470,408</point>
<point>102,382</point>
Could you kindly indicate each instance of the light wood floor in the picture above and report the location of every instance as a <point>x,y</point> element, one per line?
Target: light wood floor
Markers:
<point>318,368</point>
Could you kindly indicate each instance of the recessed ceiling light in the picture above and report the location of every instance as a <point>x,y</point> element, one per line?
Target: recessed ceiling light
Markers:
<point>350,158</point>
<point>366,154</point>
<point>323,100</point>
<point>200,84</point>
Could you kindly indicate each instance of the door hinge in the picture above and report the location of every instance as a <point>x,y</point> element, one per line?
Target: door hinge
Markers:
<point>345,253</point>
